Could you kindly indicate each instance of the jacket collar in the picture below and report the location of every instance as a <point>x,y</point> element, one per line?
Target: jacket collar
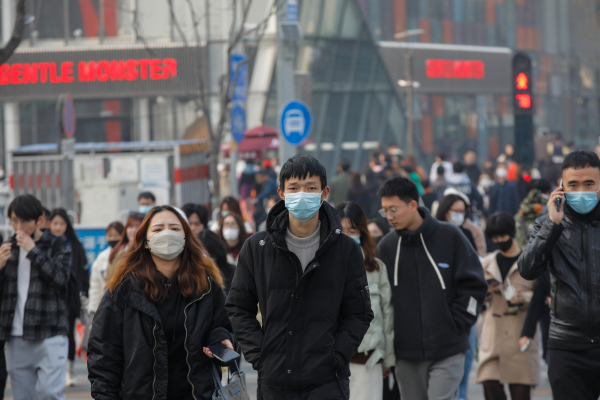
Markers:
<point>427,227</point>
<point>278,221</point>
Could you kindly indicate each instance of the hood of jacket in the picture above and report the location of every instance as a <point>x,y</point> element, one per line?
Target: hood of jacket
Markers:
<point>278,221</point>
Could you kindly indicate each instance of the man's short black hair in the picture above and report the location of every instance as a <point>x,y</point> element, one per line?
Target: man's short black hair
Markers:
<point>459,167</point>
<point>442,156</point>
<point>581,159</point>
<point>263,172</point>
<point>301,166</point>
<point>190,209</point>
<point>147,195</point>
<point>404,188</point>
<point>441,170</point>
<point>26,207</point>
<point>344,165</point>
<point>425,183</point>
<point>500,224</point>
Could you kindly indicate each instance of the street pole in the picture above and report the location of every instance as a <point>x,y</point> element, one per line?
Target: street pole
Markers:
<point>285,80</point>
<point>11,109</point>
<point>409,105</point>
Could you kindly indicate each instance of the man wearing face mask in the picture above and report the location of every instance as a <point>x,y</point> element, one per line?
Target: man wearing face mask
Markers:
<point>146,200</point>
<point>310,282</point>
<point>504,195</point>
<point>566,242</point>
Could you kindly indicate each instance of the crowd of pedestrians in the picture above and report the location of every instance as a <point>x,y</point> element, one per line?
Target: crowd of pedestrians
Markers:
<point>382,284</point>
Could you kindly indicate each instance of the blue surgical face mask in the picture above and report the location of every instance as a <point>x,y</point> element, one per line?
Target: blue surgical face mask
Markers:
<point>303,206</point>
<point>224,214</point>
<point>144,209</point>
<point>355,237</point>
<point>582,202</point>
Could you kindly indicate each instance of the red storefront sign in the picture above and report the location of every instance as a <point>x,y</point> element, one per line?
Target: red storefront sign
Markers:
<point>154,69</point>
<point>454,69</point>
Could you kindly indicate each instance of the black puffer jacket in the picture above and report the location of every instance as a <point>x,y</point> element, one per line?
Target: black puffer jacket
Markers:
<point>127,351</point>
<point>314,322</point>
<point>571,252</point>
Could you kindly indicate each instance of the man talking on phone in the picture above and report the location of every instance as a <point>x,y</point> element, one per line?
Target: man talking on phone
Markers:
<point>34,270</point>
<point>310,282</point>
<point>566,242</point>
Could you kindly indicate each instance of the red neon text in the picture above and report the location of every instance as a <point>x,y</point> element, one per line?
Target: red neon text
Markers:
<point>524,100</point>
<point>522,81</point>
<point>455,69</point>
<point>91,71</point>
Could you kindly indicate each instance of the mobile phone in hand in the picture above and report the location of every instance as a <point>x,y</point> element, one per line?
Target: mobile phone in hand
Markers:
<point>223,353</point>
<point>558,201</point>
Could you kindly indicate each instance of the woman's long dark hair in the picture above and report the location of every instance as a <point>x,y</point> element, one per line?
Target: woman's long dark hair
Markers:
<point>243,235</point>
<point>446,205</point>
<point>192,275</point>
<point>124,241</point>
<point>358,220</point>
<point>78,256</point>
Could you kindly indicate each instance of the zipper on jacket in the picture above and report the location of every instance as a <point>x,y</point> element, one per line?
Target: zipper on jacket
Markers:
<point>154,366</point>
<point>589,282</point>
<point>187,354</point>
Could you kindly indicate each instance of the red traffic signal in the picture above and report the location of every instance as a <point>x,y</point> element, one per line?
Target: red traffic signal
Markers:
<point>522,81</point>
<point>524,100</point>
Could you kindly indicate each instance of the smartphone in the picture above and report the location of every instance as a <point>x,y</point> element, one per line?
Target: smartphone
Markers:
<point>223,353</point>
<point>525,346</point>
<point>558,201</point>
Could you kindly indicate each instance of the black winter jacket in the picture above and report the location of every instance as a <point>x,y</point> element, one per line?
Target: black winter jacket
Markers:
<point>571,252</point>
<point>434,306</point>
<point>314,322</point>
<point>45,308</point>
<point>127,351</point>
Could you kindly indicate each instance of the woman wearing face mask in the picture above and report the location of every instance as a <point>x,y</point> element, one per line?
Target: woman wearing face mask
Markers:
<point>375,355</point>
<point>233,233</point>
<point>501,361</point>
<point>164,308</point>
<point>79,280</point>
<point>454,210</point>
<point>97,283</point>
<point>133,223</point>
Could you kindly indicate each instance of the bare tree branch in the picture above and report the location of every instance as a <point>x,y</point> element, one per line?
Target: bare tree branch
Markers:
<point>17,34</point>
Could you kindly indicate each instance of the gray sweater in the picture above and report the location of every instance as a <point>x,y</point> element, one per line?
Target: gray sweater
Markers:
<point>304,248</point>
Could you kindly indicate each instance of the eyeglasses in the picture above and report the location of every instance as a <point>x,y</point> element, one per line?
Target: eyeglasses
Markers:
<point>391,212</point>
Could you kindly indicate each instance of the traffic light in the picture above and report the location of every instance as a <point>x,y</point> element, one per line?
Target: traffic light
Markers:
<point>522,84</point>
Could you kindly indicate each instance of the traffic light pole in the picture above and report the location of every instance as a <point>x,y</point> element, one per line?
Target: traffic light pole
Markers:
<point>285,80</point>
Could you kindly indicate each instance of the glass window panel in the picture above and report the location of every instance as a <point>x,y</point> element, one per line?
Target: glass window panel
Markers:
<point>364,65</point>
<point>332,11</point>
<point>351,23</point>
<point>343,63</point>
<point>323,60</point>
<point>309,17</point>
<point>375,18</point>
<point>381,78</point>
<point>355,111</point>
<point>332,118</point>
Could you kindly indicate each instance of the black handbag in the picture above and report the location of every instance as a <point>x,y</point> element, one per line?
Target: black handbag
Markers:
<point>235,389</point>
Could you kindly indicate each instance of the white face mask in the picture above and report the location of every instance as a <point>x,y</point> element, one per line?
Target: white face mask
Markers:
<point>231,234</point>
<point>167,244</point>
<point>501,173</point>
<point>457,218</point>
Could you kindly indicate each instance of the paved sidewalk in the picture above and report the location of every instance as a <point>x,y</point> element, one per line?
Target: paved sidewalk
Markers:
<point>82,390</point>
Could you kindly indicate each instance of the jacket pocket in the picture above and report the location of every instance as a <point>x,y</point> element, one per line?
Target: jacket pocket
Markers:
<point>363,294</point>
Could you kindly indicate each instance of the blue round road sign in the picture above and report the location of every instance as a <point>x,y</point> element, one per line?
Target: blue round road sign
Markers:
<point>238,123</point>
<point>295,122</point>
